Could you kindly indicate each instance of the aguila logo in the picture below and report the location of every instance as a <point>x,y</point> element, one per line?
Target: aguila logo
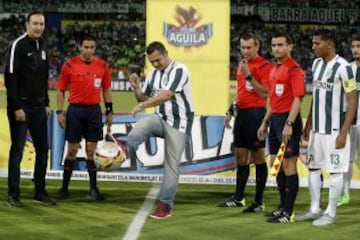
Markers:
<point>187,33</point>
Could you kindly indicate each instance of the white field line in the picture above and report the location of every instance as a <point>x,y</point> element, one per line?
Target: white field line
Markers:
<point>138,221</point>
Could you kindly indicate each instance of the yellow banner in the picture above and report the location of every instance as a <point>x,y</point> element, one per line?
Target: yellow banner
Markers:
<point>28,159</point>
<point>4,139</point>
<point>196,33</point>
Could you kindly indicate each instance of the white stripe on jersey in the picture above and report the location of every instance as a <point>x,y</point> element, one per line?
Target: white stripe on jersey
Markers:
<point>329,102</point>
<point>179,111</point>
<point>12,52</point>
<point>355,69</point>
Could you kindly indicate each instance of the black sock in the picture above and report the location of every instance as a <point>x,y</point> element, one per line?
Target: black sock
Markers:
<point>292,187</point>
<point>69,166</point>
<point>242,176</point>
<point>92,172</point>
<point>261,177</point>
<point>281,181</point>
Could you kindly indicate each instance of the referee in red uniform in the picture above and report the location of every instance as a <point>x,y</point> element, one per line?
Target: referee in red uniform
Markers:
<point>287,89</point>
<point>253,84</point>
<point>86,77</point>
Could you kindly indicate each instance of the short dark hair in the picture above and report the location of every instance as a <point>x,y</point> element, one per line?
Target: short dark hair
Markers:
<point>356,37</point>
<point>325,34</point>
<point>33,13</point>
<point>250,35</point>
<point>283,34</point>
<point>155,46</point>
<point>86,37</point>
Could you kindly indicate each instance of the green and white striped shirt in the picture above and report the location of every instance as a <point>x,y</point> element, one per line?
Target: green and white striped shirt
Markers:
<point>329,99</point>
<point>356,71</point>
<point>178,112</point>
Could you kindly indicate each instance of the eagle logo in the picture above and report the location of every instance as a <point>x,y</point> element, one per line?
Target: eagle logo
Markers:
<point>187,18</point>
<point>187,32</point>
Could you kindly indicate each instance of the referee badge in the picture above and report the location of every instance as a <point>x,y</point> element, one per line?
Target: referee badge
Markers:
<point>97,82</point>
<point>249,86</point>
<point>43,55</point>
<point>279,89</point>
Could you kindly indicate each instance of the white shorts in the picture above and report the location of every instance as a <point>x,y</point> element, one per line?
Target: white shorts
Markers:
<point>355,143</point>
<point>322,153</point>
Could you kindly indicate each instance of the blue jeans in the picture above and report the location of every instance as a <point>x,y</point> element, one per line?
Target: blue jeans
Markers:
<point>154,126</point>
<point>36,122</point>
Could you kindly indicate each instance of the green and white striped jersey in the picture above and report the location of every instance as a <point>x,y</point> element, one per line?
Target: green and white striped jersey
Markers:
<point>179,111</point>
<point>356,71</point>
<point>329,99</point>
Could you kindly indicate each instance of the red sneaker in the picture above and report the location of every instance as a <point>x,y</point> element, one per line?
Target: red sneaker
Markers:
<point>162,211</point>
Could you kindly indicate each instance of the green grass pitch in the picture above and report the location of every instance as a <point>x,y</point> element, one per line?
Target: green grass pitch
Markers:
<point>195,215</point>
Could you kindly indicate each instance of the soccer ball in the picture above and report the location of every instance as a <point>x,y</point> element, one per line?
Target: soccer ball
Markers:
<point>109,156</point>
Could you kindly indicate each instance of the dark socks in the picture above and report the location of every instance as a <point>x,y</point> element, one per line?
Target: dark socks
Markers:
<point>291,190</point>
<point>69,166</point>
<point>242,176</point>
<point>261,178</point>
<point>281,181</point>
<point>92,173</point>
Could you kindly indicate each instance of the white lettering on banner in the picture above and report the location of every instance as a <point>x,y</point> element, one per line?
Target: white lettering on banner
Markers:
<point>308,15</point>
<point>98,7</point>
<point>155,178</point>
<point>151,152</point>
<point>184,38</point>
<point>26,173</point>
<point>225,146</point>
<point>247,10</point>
<point>201,152</point>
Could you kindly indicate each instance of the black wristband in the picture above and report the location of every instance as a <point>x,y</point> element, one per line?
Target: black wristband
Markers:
<point>59,112</point>
<point>231,110</point>
<point>108,108</point>
<point>267,122</point>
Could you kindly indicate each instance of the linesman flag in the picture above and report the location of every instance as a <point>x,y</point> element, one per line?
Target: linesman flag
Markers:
<point>278,160</point>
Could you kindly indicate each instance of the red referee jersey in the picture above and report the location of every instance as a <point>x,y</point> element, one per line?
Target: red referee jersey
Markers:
<point>287,82</point>
<point>246,96</point>
<point>85,80</point>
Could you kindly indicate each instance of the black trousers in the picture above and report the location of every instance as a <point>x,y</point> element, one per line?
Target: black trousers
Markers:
<point>36,123</point>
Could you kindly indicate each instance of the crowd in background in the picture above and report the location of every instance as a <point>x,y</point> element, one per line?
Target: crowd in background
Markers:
<point>301,35</point>
<point>19,6</point>
<point>122,43</point>
<point>15,4</point>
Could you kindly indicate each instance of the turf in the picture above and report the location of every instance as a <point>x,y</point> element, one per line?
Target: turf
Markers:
<point>123,101</point>
<point>194,216</point>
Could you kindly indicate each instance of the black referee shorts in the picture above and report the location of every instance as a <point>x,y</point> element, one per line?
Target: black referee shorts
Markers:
<point>247,122</point>
<point>83,121</point>
<point>277,124</point>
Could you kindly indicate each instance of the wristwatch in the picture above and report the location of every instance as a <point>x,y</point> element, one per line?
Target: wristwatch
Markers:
<point>249,78</point>
<point>59,112</point>
<point>289,123</point>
